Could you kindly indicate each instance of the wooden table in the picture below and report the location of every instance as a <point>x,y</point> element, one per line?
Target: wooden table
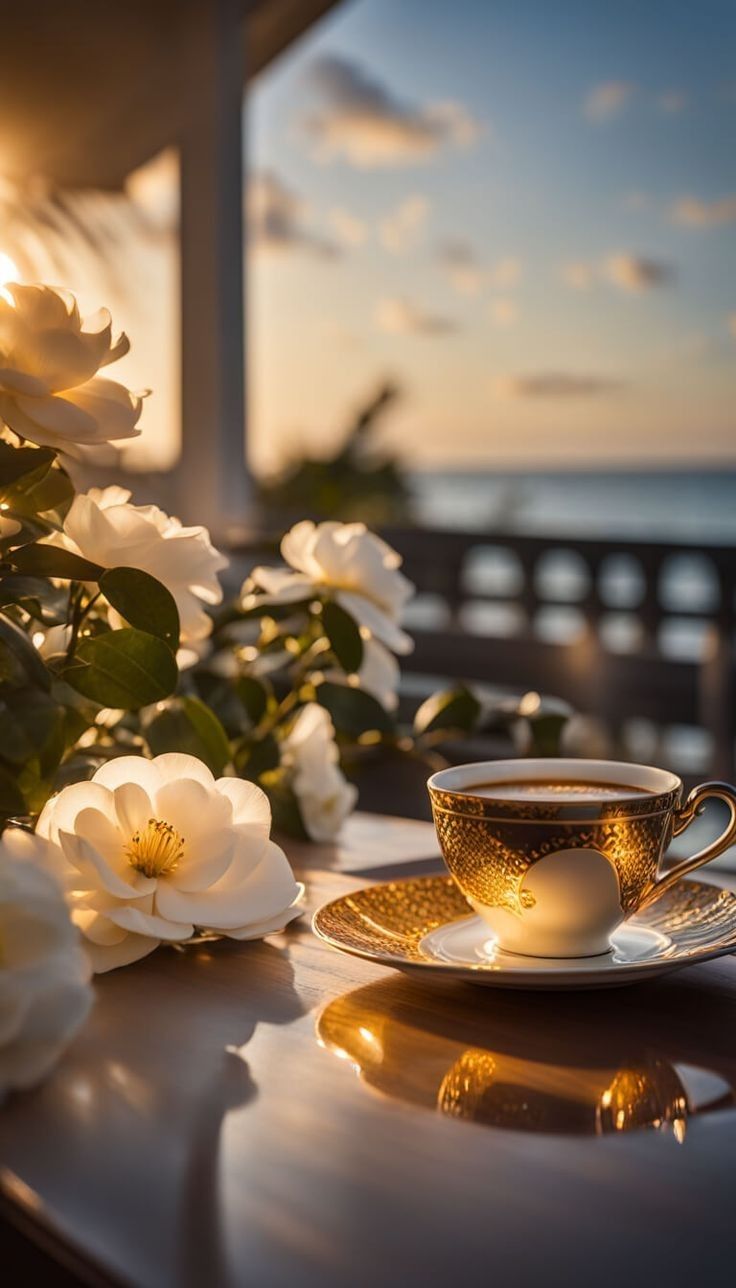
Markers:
<point>279,1114</point>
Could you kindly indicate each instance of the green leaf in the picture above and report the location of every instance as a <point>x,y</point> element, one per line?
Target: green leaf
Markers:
<point>128,669</point>
<point>188,725</point>
<point>546,730</point>
<point>285,811</point>
<point>353,710</point>
<point>455,708</point>
<point>254,697</point>
<point>142,601</point>
<point>27,463</point>
<point>12,800</point>
<point>54,491</point>
<point>50,561</point>
<point>344,636</point>
<point>18,645</point>
<point>36,595</point>
<point>256,758</point>
<point>31,724</point>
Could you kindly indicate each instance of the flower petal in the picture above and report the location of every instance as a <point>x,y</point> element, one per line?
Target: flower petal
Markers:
<point>93,868</point>
<point>375,620</point>
<point>272,924</point>
<point>212,858</point>
<point>147,923</point>
<point>130,949</point>
<point>244,896</point>
<point>129,769</point>
<point>133,808</point>
<point>175,764</point>
<point>250,805</point>
<point>61,810</point>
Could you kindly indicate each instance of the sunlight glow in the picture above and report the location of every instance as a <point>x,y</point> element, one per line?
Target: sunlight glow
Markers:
<point>9,272</point>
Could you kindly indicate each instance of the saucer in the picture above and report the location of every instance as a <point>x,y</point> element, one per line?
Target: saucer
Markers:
<point>424,926</point>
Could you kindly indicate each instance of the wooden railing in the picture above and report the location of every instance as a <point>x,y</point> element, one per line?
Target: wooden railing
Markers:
<point>623,630</point>
<point>628,632</point>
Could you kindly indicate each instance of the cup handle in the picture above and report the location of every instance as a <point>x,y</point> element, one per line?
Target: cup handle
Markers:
<point>683,817</point>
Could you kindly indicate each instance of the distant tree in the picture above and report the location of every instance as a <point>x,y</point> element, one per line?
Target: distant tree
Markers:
<point>359,481</point>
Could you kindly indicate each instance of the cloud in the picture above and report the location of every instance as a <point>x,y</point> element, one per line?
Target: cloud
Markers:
<point>402,317</point>
<point>399,230</point>
<point>506,273</point>
<point>460,261</point>
<point>579,275</point>
<point>672,102</point>
<point>467,272</point>
<point>636,273</point>
<point>365,123</point>
<point>694,213</point>
<point>349,229</point>
<point>557,384</point>
<point>635,202</point>
<point>607,101</point>
<point>504,312</point>
<point>276,219</point>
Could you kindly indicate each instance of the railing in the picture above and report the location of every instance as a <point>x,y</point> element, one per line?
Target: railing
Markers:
<point>638,635</point>
<point>628,632</point>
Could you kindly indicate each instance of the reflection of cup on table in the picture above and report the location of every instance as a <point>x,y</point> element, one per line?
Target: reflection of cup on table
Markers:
<point>512,1081</point>
<point>555,854</point>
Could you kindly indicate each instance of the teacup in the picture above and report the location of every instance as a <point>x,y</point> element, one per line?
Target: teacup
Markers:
<point>555,854</point>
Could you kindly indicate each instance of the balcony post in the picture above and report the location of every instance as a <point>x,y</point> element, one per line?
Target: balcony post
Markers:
<point>213,482</point>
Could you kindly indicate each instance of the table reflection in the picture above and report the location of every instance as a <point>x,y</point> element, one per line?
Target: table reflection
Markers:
<point>516,1066</point>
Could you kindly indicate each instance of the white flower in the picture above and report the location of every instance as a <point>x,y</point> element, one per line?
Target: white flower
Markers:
<point>102,526</point>
<point>358,566</point>
<point>150,849</point>
<point>44,976</point>
<point>324,795</point>
<point>50,392</point>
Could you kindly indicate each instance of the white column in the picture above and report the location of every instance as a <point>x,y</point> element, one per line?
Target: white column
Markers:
<point>213,484</point>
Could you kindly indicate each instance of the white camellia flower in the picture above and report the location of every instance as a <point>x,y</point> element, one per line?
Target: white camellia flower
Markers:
<point>44,975</point>
<point>361,569</point>
<point>103,526</point>
<point>149,850</point>
<point>50,392</point>
<point>310,753</point>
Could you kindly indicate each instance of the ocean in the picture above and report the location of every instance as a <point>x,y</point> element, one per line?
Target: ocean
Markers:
<point>693,506</point>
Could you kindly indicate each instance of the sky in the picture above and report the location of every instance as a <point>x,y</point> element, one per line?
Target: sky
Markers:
<point>523,213</point>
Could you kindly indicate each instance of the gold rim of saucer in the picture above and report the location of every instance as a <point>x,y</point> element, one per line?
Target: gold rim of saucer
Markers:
<point>387,923</point>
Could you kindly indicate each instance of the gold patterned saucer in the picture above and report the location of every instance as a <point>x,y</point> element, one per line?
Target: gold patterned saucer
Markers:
<point>425,926</point>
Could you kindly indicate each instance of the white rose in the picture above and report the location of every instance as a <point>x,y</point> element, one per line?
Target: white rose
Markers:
<point>324,795</point>
<point>102,526</point>
<point>148,850</point>
<point>44,975</point>
<point>49,390</point>
<point>358,566</point>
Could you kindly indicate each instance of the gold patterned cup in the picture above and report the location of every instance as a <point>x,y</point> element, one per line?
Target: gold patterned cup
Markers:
<point>554,877</point>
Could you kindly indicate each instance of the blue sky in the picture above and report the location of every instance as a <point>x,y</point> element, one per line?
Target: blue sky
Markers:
<point>547,266</point>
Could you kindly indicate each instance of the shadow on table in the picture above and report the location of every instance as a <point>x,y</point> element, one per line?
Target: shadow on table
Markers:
<point>140,1099</point>
<point>652,1057</point>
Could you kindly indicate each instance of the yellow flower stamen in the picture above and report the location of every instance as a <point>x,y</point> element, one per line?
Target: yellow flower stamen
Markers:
<point>155,849</point>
